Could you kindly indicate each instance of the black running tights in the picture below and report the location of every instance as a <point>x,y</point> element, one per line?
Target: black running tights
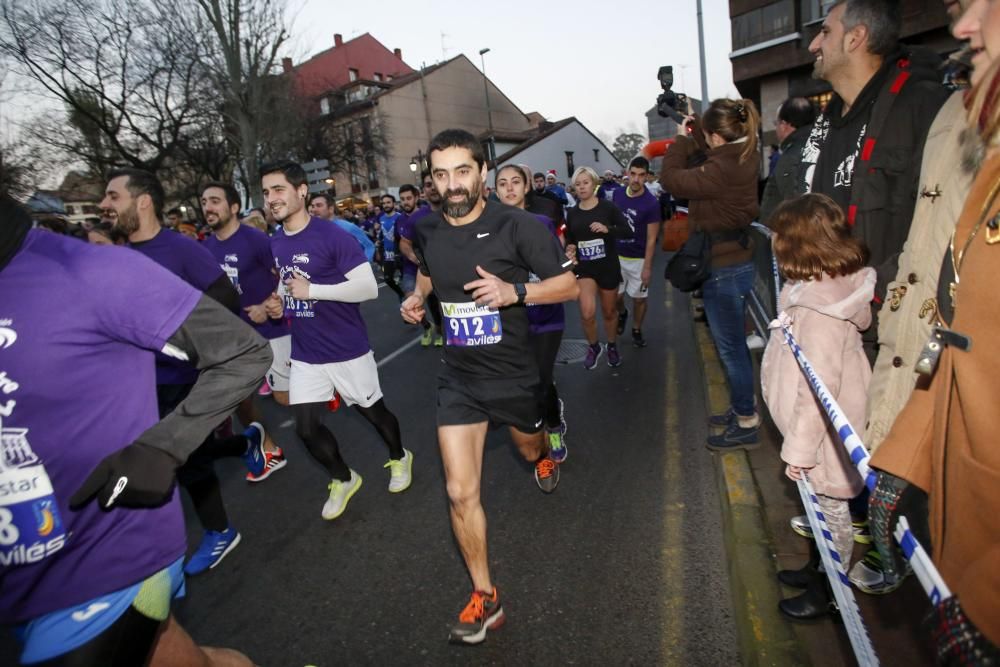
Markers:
<point>546,348</point>
<point>322,444</point>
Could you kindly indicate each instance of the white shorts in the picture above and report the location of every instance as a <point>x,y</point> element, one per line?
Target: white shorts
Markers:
<point>632,278</point>
<point>355,380</point>
<point>277,375</point>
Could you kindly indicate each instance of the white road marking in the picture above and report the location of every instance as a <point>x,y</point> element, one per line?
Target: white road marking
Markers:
<point>398,352</point>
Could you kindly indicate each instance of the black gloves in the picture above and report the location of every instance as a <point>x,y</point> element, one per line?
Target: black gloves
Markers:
<point>137,476</point>
<point>883,513</point>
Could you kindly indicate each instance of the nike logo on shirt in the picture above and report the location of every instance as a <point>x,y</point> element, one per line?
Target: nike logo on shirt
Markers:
<point>479,236</point>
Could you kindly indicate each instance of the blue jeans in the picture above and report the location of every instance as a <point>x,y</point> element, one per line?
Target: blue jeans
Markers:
<point>725,294</point>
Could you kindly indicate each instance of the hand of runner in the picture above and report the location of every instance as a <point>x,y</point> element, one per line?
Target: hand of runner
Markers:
<point>298,287</point>
<point>571,253</point>
<point>647,273</point>
<point>412,309</point>
<point>136,476</point>
<point>598,228</point>
<point>795,472</point>
<point>274,307</point>
<point>490,291</point>
<point>258,314</point>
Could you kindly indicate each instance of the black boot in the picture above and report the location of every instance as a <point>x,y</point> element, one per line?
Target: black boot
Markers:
<point>800,578</point>
<point>816,602</point>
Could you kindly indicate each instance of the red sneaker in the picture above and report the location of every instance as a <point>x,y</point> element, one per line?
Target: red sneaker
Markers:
<point>272,461</point>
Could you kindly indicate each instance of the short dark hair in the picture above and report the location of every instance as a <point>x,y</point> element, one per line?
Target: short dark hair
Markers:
<point>797,112</point>
<point>174,211</point>
<point>639,162</point>
<point>456,138</point>
<point>321,195</point>
<point>381,197</point>
<point>538,174</point>
<point>292,171</point>
<point>409,187</point>
<point>232,196</point>
<point>142,182</point>
<point>882,18</point>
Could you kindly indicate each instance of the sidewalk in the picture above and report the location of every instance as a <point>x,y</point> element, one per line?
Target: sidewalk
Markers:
<point>758,501</point>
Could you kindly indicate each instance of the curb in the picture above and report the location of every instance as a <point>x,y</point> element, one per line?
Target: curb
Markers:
<point>765,637</point>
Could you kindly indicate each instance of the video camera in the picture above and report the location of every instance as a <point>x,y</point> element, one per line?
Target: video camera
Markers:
<point>670,104</point>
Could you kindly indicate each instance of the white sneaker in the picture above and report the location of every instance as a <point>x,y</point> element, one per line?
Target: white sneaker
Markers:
<point>340,493</point>
<point>400,472</point>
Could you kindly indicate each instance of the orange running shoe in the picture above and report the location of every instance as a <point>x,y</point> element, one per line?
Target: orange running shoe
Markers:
<point>483,613</point>
<point>547,474</point>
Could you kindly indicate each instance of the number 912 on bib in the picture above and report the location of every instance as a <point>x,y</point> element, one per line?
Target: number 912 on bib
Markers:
<point>468,324</point>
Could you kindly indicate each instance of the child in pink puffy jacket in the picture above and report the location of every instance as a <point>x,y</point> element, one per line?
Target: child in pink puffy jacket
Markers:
<point>826,302</point>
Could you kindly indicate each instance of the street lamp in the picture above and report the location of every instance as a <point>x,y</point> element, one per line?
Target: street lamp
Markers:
<point>489,113</point>
<point>417,163</point>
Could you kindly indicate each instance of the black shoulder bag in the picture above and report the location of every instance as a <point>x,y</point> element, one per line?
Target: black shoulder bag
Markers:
<point>690,266</point>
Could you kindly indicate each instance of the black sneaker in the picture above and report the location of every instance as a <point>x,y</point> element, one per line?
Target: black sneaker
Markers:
<point>725,419</point>
<point>637,338</point>
<point>733,438</point>
<point>483,613</point>
<point>622,319</point>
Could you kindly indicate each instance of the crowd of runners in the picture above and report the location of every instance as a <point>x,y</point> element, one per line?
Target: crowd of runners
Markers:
<point>185,327</point>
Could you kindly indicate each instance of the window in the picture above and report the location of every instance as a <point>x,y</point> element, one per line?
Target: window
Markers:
<point>372,171</point>
<point>352,74</point>
<point>324,106</point>
<point>570,168</point>
<point>762,24</point>
<point>388,77</point>
<point>377,76</point>
<point>811,11</point>
<point>597,155</point>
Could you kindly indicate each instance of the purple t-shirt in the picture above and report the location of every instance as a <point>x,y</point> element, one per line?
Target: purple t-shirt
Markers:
<point>74,315</point>
<point>188,260</point>
<point>246,258</point>
<point>550,316</point>
<point>323,332</point>
<point>640,211</point>
<point>405,228</point>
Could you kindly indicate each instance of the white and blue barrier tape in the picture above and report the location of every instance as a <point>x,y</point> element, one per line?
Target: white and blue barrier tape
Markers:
<point>857,633</point>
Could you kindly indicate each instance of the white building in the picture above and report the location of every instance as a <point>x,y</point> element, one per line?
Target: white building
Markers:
<point>563,146</point>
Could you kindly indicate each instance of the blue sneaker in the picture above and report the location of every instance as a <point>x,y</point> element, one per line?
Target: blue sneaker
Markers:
<point>254,455</point>
<point>557,446</point>
<point>213,548</point>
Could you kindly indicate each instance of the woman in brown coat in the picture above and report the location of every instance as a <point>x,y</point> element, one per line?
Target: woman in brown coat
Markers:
<point>722,201</point>
<point>945,439</point>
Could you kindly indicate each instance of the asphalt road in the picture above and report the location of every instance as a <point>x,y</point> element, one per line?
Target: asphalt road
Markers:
<point>623,564</point>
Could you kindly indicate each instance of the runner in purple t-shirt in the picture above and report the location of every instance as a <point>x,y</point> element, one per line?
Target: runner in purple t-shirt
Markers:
<point>324,277</point>
<point>642,211</point>
<point>91,582</point>
<point>137,198</point>
<point>547,321</point>
<point>244,254</point>
<point>408,199</point>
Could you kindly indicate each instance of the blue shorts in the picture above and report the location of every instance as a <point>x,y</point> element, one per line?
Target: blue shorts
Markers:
<point>62,631</point>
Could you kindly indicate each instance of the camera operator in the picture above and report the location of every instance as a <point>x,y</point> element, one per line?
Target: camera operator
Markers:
<point>722,202</point>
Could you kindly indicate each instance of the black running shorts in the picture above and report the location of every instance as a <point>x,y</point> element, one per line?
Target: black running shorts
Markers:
<point>465,399</point>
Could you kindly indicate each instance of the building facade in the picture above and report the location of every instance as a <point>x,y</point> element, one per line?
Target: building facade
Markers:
<point>563,146</point>
<point>771,59</point>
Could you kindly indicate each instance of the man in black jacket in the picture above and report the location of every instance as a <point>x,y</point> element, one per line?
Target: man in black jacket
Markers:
<point>793,125</point>
<point>865,149</point>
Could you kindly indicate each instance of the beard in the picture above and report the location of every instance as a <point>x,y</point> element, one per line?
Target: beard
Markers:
<point>220,221</point>
<point>128,220</point>
<point>462,208</point>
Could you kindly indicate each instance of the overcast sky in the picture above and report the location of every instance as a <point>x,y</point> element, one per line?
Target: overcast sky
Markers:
<point>596,60</point>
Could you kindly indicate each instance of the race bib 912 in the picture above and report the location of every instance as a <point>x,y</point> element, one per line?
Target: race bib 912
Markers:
<point>468,324</point>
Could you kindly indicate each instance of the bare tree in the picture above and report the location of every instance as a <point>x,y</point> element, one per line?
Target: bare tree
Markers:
<point>128,79</point>
<point>248,38</point>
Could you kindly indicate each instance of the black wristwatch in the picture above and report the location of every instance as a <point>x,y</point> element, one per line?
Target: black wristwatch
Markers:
<point>521,292</point>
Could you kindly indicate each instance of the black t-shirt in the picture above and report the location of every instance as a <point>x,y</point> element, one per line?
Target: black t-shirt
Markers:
<point>510,244</point>
<point>591,245</point>
<point>842,149</point>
